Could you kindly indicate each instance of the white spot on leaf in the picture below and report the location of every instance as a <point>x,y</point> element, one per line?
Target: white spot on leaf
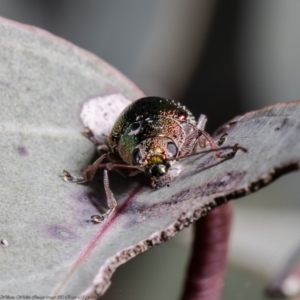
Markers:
<point>99,114</point>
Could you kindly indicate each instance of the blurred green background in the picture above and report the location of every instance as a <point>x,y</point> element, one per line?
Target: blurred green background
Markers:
<point>221,58</point>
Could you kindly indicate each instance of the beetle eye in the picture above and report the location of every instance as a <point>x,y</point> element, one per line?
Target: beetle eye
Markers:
<point>136,156</point>
<point>172,149</point>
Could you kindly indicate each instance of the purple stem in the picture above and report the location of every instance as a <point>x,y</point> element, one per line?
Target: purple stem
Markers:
<point>205,276</point>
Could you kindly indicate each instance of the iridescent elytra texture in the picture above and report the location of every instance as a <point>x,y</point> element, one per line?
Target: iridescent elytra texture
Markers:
<point>150,122</point>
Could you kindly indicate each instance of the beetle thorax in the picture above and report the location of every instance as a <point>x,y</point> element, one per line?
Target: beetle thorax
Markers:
<point>153,151</point>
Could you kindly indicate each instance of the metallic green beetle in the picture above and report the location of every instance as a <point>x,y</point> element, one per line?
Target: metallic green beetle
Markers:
<point>149,136</point>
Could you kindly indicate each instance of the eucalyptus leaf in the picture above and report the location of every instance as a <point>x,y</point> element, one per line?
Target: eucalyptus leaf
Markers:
<point>52,247</point>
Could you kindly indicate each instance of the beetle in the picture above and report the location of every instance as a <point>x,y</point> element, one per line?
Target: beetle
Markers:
<point>149,136</point>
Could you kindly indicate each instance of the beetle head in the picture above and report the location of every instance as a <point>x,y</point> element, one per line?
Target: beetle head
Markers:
<point>154,155</point>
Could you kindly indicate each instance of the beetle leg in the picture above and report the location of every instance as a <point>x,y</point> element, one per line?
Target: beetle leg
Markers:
<point>215,146</point>
<point>111,201</point>
<point>211,142</point>
<point>102,148</point>
<point>89,172</point>
<point>88,133</point>
<point>201,122</point>
<point>222,139</point>
<point>201,125</point>
<point>231,154</point>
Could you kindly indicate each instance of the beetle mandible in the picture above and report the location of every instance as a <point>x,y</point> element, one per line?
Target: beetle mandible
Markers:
<point>149,136</point>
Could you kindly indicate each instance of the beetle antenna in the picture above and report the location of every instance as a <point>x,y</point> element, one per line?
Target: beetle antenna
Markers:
<point>234,148</point>
<point>111,166</point>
